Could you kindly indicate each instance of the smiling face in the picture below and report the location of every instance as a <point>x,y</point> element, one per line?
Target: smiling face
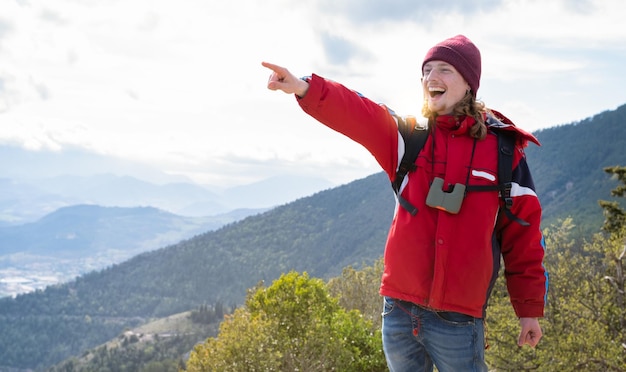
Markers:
<point>443,86</point>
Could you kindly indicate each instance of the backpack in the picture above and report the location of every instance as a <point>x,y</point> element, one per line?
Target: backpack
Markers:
<point>415,137</point>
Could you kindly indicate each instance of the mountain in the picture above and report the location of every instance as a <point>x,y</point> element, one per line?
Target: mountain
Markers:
<point>154,346</point>
<point>84,229</point>
<point>568,167</point>
<point>31,165</point>
<point>26,200</point>
<point>273,191</point>
<point>41,187</point>
<point>37,182</point>
<point>319,234</point>
<point>78,239</point>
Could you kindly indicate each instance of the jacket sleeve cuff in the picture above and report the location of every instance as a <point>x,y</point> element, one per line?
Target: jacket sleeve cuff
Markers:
<point>313,95</point>
<point>528,310</point>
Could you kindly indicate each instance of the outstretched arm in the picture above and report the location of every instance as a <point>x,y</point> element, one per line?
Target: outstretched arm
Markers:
<point>282,79</point>
<point>343,110</point>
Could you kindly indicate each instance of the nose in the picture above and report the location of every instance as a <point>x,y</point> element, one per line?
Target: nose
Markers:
<point>429,75</point>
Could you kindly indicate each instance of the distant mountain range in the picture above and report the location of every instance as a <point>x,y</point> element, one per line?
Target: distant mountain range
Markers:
<point>60,219</point>
<point>78,239</point>
<point>320,234</point>
<point>26,200</point>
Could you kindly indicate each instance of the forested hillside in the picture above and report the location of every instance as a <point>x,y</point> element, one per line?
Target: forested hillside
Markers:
<point>320,234</point>
<point>568,167</point>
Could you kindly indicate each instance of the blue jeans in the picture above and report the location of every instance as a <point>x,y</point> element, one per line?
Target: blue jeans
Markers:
<point>416,338</point>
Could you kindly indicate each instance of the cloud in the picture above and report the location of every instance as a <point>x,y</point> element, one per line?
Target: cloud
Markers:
<point>41,89</point>
<point>375,11</point>
<point>341,51</point>
<point>179,84</point>
<point>580,6</point>
<point>8,95</point>
<point>6,27</point>
<point>49,15</point>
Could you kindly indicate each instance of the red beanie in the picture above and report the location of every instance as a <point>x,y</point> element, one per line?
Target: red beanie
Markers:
<point>461,53</point>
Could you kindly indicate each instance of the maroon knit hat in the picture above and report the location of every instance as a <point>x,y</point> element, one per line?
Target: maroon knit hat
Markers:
<point>461,53</point>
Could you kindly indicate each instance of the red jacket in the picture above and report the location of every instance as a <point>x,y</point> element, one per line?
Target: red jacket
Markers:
<point>437,259</point>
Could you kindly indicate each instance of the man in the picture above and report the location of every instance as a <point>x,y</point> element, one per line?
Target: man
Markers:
<point>442,262</point>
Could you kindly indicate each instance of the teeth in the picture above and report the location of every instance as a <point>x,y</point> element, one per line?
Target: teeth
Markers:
<point>435,91</point>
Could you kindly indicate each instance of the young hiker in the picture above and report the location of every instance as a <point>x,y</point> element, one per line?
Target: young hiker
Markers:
<point>443,255</point>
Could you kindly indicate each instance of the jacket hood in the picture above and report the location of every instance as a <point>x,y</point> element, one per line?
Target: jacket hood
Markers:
<point>497,121</point>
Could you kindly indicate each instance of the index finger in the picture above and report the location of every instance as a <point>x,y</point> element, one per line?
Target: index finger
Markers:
<point>273,67</point>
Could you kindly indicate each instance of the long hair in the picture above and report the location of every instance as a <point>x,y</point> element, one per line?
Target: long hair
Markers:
<point>467,106</point>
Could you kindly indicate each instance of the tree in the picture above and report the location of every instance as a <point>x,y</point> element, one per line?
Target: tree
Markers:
<point>295,324</point>
<point>615,216</point>
<point>359,290</point>
<point>244,343</point>
<point>615,225</point>
<point>585,320</point>
<point>580,324</point>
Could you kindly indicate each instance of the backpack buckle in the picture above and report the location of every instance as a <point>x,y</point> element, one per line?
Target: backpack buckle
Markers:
<point>506,189</point>
<point>506,194</point>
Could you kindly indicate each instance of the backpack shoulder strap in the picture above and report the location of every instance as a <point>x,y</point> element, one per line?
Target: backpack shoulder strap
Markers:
<point>506,149</point>
<point>414,138</point>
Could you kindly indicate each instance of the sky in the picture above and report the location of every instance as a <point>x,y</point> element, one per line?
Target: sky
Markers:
<point>179,85</point>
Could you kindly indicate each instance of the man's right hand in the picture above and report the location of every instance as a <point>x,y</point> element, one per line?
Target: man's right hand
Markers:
<point>282,79</point>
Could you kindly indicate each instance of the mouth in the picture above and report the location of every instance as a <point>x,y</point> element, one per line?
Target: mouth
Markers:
<point>436,91</point>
